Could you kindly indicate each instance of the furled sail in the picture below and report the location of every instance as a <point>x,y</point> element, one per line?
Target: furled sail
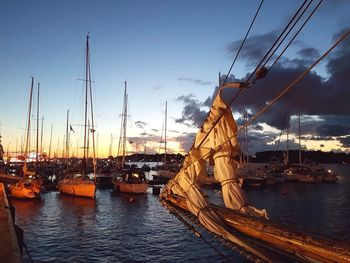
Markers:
<point>215,141</point>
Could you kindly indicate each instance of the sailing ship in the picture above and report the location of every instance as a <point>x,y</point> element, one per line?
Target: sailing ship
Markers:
<point>79,184</point>
<point>182,193</point>
<point>131,180</point>
<point>29,185</point>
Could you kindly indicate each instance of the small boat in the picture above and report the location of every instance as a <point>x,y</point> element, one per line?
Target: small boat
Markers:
<point>130,181</point>
<point>29,185</point>
<point>79,184</point>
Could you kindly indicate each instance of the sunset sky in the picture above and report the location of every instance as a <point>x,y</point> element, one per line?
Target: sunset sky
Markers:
<point>170,51</point>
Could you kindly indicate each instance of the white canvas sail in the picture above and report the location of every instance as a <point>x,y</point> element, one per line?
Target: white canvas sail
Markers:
<point>216,140</point>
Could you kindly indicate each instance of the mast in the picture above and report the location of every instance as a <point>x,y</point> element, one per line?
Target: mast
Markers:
<point>165,125</point>
<point>28,125</point>
<point>125,114</point>
<point>67,140</point>
<point>287,159</point>
<point>42,136</point>
<point>299,138</point>
<point>86,103</point>
<point>50,141</point>
<point>37,132</point>
<point>92,114</point>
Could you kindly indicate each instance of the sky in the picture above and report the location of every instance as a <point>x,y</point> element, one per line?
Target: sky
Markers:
<point>169,51</point>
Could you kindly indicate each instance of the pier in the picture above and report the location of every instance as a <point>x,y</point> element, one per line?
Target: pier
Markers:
<point>8,240</point>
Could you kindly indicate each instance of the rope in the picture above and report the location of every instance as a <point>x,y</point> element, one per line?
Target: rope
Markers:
<point>190,227</point>
<point>288,32</point>
<point>302,26</point>
<point>247,84</point>
<point>276,41</point>
<point>281,94</point>
<point>27,251</point>
<point>246,35</point>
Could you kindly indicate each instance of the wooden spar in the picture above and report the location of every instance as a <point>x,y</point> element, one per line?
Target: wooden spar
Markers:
<point>276,235</point>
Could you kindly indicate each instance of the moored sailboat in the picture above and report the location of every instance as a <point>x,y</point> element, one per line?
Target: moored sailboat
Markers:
<point>29,185</point>
<point>79,184</point>
<point>127,180</point>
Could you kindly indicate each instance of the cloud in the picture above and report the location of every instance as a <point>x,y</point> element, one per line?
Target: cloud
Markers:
<point>174,131</point>
<point>309,52</point>
<point>157,87</point>
<point>196,81</point>
<point>140,124</point>
<point>254,48</point>
<point>192,114</point>
<point>345,141</point>
<point>324,102</point>
<point>186,141</point>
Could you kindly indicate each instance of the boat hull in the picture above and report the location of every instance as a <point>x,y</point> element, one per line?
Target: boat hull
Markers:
<point>83,188</point>
<point>130,188</point>
<point>22,192</point>
<point>25,189</point>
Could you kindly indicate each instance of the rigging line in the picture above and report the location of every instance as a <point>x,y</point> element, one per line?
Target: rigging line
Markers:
<point>283,92</point>
<point>276,41</point>
<point>247,84</point>
<point>190,227</point>
<point>273,101</point>
<point>246,35</point>
<point>287,33</point>
<point>302,26</point>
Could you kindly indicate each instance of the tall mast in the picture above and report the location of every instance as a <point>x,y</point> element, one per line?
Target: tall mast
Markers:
<point>42,136</point>
<point>92,123</point>
<point>86,102</point>
<point>37,132</point>
<point>28,124</point>
<point>165,125</point>
<point>50,141</point>
<point>125,114</point>
<point>287,159</point>
<point>299,138</point>
<point>67,140</point>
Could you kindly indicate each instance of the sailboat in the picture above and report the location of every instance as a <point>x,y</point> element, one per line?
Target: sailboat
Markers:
<point>166,171</point>
<point>29,185</point>
<point>132,181</point>
<point>79,184</point>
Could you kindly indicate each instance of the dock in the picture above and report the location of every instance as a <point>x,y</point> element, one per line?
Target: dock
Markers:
<point>9,248</point>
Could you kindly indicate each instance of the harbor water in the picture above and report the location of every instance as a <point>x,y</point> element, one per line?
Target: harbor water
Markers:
<point>126,228</point>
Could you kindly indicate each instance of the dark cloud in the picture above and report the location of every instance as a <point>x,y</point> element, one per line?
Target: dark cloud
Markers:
<point>140,124</point>
<point>196,81</point>
<point>309,52</point>
<point>323,102</point>
<point>254,49</point>
<point>345,142</point>
<point>192,115</point>
<point>186,141</point>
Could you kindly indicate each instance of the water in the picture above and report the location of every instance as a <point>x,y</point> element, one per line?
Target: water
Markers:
<point>125,228</point>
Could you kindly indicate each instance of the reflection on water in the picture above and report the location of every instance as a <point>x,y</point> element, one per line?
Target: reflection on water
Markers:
<point>137,228</point>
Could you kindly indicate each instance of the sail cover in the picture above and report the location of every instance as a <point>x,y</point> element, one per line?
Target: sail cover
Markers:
<point>216,141</point>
